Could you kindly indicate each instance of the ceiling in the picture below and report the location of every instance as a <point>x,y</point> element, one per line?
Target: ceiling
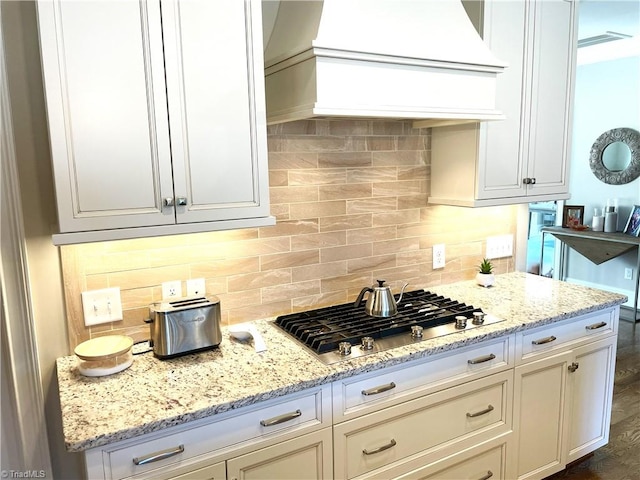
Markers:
<point>599,16</point>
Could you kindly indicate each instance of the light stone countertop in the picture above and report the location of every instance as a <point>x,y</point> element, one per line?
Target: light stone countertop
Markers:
<point>155,394</point>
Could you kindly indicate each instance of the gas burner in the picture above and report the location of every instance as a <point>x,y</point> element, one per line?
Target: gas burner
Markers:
<point>343,332</point>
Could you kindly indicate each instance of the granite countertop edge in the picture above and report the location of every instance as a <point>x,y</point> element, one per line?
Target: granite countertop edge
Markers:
<point>153,377</point>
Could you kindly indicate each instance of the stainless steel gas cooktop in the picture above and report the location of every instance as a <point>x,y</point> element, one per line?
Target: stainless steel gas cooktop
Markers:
<point>344,331</point>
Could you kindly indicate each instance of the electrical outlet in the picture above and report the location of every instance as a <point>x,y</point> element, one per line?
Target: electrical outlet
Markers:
<point>438,256</point>
<point>628,273</point>
<point>101,306</point>
<point>195,287</point>
<point>499,246</point>
<point>171,289</point>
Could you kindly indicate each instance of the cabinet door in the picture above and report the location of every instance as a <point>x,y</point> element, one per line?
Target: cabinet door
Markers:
<point>306,457</point>
<point>551,89</point>
<point>540,419</point>
<point>107,111</point>
<point>213,52</point>
<point>591,396</point>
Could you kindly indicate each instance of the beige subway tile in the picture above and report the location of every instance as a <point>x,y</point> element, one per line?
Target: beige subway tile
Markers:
<point>346,282</point>
<point>226,267</point>
<point>278,178</point>
<point>318,240</point>
<point>215,286</point>
<point>371,205</point>
<point>274,144</point>
<point>407,187</point>
<point>229,301</point>
<point>399,217</point>
<point>325,176</point>
<point>333,254</point>
<point>136,298</point>
<point>287,161</point>
<point>320,271</point>
<point>289,259</point>
<point>262,246</point>
<point>413,142</point>
<point>345,192</point>
<point>390,127</point>
<point>369,264</point>
<point>320,300</point>
<point>149,277</point>
<point>307,193</point>
<point>257,312</point>
<point>413,172</point>
<point>316,143</point>
<point>408,157</point>
<point>344,159</point>
<point>291,228</point>
<point>290,291</point>
<point>381,143</point>
<point>407,202</point>
<point>281,212</point>
<point>376,234</point>
<point>249,281</point>
<point>395,246</point>
<point>349,127</point>
<point>318,209</point>
<point>372,174</point>
<point>114,262</point>
<point>299,127</point>
<point>95,282</point>
<point>345,222</point>
<point>413,257</point>
<point>398,276</point>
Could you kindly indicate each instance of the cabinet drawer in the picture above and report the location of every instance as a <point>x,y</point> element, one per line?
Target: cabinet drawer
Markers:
<point>295,413</point>
<point>366,393</point>
<point>476,410</point>
<point>565,334</point>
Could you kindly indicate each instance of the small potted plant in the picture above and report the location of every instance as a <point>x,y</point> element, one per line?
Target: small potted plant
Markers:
<point>485,275</point>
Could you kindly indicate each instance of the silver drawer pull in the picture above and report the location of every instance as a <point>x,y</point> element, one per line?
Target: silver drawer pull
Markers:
<point>280,419</point>
<point>154,457</point>
<point>380,389</point>
<point>481,412</point>
<point>596,326</point>
<point>392,443</point>
<point>542,341</point>
<point>487,476</point>
<point>486,358</point>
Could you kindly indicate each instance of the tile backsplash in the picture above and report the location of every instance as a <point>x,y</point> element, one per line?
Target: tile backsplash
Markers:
<point>350,197</point>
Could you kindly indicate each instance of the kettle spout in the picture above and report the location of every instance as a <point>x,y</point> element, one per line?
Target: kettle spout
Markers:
<point>401,293</point>
<point>360,298</point>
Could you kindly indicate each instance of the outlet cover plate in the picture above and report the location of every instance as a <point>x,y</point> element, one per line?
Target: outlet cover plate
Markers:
<point>172,289</point>
<point>438,256</point>
<point>195,287</point>
<point>101,306</point>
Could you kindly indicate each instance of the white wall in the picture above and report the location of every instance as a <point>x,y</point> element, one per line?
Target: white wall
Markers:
<point>607,95</point>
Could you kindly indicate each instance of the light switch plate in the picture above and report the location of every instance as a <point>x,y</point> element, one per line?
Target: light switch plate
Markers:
<point>101,306</point>
<point>499,246</point>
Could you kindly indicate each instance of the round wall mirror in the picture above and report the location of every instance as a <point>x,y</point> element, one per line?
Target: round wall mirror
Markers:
<point>615,156</point>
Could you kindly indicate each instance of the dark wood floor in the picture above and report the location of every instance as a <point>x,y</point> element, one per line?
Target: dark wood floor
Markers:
<point>620,459</point>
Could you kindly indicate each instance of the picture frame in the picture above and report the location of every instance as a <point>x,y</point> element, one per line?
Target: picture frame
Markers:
<point>633,223</point>
<point>572,216</point>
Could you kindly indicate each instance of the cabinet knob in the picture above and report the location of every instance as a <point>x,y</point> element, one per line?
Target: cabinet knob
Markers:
<point>181,201</point>
<point>532,181</point>
<point>526,181</point>
<point>573,367</point>
<point>168,202</point>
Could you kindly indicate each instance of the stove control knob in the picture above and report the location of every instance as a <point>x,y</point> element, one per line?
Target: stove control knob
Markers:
<point>344,348</point>
<point>478,318</point>
<point>416,331</point>
<point>367,343</point>
<point>461,322</point>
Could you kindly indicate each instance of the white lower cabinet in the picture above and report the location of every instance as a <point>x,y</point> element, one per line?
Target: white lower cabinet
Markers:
<point>562,407</point>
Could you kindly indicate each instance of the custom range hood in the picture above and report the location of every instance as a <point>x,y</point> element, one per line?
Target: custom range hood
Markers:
<point>402,59</point>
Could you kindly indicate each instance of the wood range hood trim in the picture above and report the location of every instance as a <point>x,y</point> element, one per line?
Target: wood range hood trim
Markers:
<point>418,60</point>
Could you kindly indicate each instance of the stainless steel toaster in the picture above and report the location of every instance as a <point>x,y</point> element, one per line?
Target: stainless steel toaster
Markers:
<point>184,326</point>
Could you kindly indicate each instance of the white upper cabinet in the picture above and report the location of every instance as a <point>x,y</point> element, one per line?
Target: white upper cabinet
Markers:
<point>525,157</point>
<point>156,116</point>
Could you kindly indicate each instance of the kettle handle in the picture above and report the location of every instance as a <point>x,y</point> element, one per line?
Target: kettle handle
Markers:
<point>358,301</point>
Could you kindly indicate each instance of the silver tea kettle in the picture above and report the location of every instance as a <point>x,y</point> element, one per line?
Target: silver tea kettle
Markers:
<point>381,302</point>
